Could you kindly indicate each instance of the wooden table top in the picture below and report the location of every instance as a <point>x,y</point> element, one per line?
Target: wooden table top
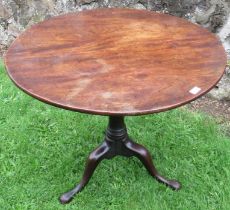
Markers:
<point>116,61</point>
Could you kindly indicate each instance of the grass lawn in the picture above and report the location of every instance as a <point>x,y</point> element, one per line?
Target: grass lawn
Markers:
<point>43,151</point>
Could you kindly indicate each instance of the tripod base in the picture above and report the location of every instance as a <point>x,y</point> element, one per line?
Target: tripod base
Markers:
<point>117,142</point>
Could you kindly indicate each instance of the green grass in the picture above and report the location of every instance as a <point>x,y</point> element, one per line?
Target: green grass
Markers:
<point>43,151</point>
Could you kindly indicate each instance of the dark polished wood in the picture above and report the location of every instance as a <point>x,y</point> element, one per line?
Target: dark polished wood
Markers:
<point>117,142</point>
<point>116,61</point>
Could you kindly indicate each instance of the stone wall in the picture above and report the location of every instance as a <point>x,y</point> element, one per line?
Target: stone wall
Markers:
<point>17,15</point>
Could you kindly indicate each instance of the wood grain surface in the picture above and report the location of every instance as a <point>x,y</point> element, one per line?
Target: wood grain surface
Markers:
<point>116,61</point>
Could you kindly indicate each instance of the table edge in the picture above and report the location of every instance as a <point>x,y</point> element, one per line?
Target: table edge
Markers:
<point>108,113</point>
<point>114,113</point>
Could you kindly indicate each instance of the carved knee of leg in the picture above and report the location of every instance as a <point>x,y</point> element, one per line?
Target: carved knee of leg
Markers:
<point>143,152</point>
<point>92,158</point>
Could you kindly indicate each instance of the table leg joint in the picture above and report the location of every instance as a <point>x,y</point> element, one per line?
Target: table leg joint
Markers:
<point>117,142</point>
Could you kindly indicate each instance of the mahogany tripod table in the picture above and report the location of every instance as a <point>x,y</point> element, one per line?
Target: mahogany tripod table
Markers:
<point>116,62</point>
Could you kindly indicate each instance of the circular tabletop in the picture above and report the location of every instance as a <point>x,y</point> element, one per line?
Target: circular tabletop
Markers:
<point>116,61</point>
